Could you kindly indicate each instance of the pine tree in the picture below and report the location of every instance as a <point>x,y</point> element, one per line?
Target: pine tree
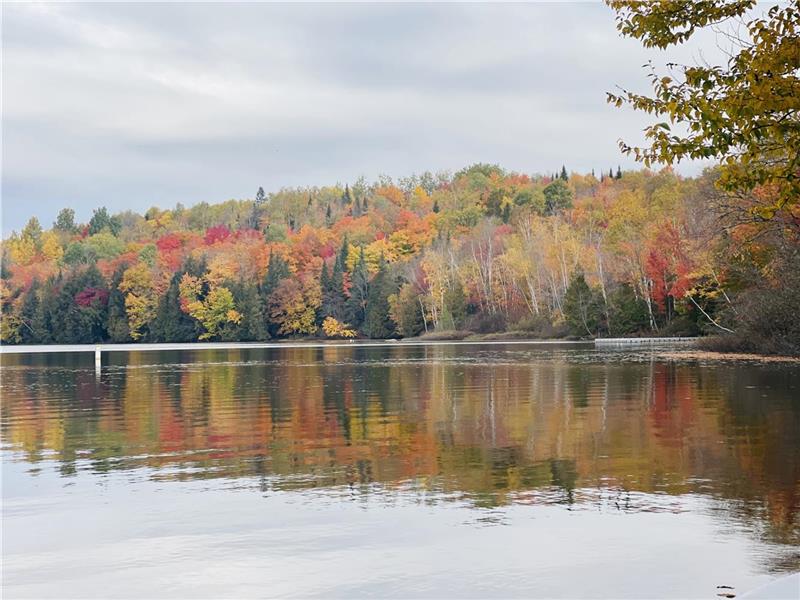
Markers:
<point>564,175</point>
<point>260,196</point>
<point>619,173</point>
<point>436,206</point>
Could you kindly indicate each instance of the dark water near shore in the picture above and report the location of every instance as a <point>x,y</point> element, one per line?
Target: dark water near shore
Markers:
<point>465,470</point>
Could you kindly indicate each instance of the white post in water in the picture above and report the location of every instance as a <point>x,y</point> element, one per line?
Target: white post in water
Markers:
<point>97,361</point>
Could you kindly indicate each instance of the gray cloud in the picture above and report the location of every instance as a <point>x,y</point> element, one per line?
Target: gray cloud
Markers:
<point>131,105</point>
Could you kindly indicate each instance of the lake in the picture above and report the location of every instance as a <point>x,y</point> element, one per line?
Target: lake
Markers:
<point>392,470</point>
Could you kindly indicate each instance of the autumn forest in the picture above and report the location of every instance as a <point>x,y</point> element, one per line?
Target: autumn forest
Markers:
<point>482,252</point>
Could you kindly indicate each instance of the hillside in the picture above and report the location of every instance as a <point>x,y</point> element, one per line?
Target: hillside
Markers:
<point>483,250</point>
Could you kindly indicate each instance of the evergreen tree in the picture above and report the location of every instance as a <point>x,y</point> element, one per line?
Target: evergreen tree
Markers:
<point>65,221</point>
<point>260,196</point>
<point>564,175</point>
<point>172,324</point>
<point>619,173</point>
<point>101,220</point>
<point>117,324</point>
<point>557,196</point>
<point>46,312</point>
<point>347,197</point>
<point>436,206</point>
<point>583,309</point>
<point>29,310</point>
<point>81,309</point>
<point>277,271</point>
<point>505,214</point>
<point>456,303</point>
<point>378,323</point>
<point>359,293</point>
<point>252,326</point>
<point>628,311</point>
<point>328,216</point>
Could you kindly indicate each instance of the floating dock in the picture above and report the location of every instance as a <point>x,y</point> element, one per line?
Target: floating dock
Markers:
<point>648,342</point>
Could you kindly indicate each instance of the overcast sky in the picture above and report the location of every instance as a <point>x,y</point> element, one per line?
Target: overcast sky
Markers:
<point>136,105</point>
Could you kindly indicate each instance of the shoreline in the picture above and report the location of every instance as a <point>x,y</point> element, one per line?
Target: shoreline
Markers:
<point>91,348</point>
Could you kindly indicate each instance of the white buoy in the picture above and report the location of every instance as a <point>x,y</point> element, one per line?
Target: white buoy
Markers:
<point>97,361</point>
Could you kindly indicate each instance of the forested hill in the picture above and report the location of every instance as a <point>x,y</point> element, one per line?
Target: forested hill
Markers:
<point>484,250</point>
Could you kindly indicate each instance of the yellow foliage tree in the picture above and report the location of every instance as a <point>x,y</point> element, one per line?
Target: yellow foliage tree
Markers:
<point>335,329</point>
<point>213,311</point>
<point>141,299</point>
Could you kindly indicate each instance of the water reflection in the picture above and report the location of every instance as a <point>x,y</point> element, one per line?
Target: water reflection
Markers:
<point>489,426</point>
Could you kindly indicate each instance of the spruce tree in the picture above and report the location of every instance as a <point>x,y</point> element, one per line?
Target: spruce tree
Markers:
<point>456,304</point>
<point>347,197</point>
<point>117,323</point>
<point>29,310</point>
<point>359,292</point>
<point>252,326</point>
<point>378,323</point>
<point>564,175</point>
<point>582,307</point>
<point>172,324</point>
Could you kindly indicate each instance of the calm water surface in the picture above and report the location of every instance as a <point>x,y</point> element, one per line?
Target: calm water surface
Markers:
<point>456,471</point>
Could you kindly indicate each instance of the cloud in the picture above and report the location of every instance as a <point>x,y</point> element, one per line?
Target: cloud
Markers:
<point>129,105</point>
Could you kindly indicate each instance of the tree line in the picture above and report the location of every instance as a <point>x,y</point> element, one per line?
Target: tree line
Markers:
<point>484,250</point>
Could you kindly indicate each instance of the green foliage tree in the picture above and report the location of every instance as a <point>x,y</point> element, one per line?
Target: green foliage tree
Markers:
<point>101,221</point>
<point>557,197</point>
<point>65,221</point>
